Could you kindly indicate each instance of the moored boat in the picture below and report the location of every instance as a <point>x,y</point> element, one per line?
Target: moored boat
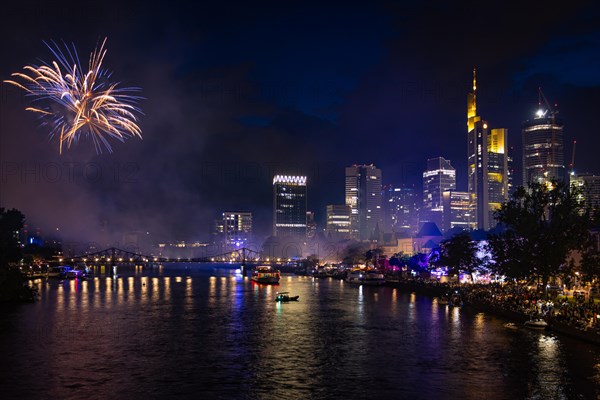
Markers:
<point>455,300</point>
<point>59,271</point>
<point>536,323</point>
<point>355,277</point>
<point>265,274</point>
<point>373,278</point>
<point>74,273</point>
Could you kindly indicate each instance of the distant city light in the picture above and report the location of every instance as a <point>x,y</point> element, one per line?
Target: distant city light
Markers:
<point>298,180</point>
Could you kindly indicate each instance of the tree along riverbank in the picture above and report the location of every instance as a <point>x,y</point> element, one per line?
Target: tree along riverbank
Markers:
<point>14,287</point>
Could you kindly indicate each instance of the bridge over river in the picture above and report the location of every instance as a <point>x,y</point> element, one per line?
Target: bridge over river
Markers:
<point>108,261</point>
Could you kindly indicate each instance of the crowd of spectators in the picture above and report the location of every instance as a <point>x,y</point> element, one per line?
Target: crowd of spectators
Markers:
<point>576,309</point>
<point>579,311</point>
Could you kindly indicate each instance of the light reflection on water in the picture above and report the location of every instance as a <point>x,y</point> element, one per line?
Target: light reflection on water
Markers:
<point>178,332</point>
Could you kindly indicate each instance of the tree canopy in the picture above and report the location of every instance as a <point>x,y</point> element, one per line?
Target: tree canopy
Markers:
<point>543,224</point>
<point>355,253</point>
<point>459,254</point>
<point>11,221</point>
<point>11,279</point>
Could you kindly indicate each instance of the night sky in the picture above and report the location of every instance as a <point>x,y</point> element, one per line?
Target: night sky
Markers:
<point>237,92</point>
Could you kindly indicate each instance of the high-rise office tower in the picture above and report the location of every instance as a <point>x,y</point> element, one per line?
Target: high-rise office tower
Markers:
<point>439,177</point>
<point>217,231</point>
<point>487,163</point>
<point>311,225</point>
<point>511,170</point>
<point>400,208</point>
<point>363,195</point>
<point>289,206</point>
<point>338,221</point>
<point>459,210</point>
<point>543,147</point>
<point>590,185</point>
<point>237,228</point>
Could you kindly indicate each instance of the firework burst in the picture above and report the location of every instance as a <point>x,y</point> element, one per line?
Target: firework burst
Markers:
<point>76,103</point>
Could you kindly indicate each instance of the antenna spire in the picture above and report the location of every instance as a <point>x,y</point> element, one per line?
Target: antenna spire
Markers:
<point>474,79</point>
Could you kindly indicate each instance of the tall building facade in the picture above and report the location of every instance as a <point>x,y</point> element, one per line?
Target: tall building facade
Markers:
<point>311,225</point>
<point>590,186</point>
<point>511,170</point>
<point>487,163</point>
<point>289,206</point>
<point>237,228</point>
<point>440,176</point>
<point>543,148</point>
<point>459,210</point>
<point>400,209</point>
<point>363,195</point>
<point>338,221</point>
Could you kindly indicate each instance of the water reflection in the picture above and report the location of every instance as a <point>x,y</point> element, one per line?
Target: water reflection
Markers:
<point>154,296</point>
<point>167,288</point>
<point>548,379</point>
<point>222,335</point>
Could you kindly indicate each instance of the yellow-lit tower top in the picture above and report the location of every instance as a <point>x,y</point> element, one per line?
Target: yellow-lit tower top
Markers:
<point>472,116</point>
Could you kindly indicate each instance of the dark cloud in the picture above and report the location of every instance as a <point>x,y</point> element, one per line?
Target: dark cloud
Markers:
<point>238,92</point>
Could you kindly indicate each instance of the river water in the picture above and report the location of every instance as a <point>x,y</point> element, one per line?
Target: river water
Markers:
<point>198,331</point>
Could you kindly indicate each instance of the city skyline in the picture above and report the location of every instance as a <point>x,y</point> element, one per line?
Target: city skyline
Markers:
<point>224,113</point>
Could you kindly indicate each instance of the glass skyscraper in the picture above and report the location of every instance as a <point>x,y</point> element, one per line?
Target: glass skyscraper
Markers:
<point>487,164</point>
<point>289,206</point>
<point>363,195</point>
<point>237,228</point>
<point>543,148</point>
<point>439,177</point>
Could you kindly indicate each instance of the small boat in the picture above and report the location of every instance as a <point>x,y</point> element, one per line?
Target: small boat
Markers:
<point>355,277</point>
<point>74,273</point>
<point>323,272</point>
<point>456,300</point>
<point>536,323</point>
<point>265,274</point>
<point>58,272</point>
<point>284,297</point>
<point>443,301</point>
<point>373,278</point>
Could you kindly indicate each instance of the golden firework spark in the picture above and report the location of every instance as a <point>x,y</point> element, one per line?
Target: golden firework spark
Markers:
<point>74,102</point>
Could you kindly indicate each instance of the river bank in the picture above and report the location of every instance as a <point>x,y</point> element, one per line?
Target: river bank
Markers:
<point>438,290</point>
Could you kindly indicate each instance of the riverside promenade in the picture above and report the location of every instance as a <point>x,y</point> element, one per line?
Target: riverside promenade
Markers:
<point>577,319</point>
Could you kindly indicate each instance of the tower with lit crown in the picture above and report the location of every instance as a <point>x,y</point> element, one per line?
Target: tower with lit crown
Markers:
<point>487,163</point>
<point>289,206</point>
<point>543,147</point>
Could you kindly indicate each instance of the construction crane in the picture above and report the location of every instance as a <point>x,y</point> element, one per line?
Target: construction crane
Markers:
<point>572,165</point>
<point>553,111</point>
<point>541,97</point>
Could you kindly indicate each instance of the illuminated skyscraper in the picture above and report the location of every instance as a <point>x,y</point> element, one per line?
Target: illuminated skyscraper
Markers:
<point>338,221</point>
<point>311,225</point>
<point>458,210</point>
<point>363,195</point>
<point>237,228</point>
<point>289,206</point>
<point>590,185</point>
<point>439,177</point>
<point>487,164</point>
<point>543,148</point>
<point>400,207</point>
